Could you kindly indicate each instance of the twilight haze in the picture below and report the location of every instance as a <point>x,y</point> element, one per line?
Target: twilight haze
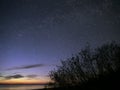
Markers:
<point>36,34</point>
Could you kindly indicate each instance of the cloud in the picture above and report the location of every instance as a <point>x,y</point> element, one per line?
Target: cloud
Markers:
<point>31,76</point>
<point>27,67</point>
<point>17,76</point>
<point>1,76</point>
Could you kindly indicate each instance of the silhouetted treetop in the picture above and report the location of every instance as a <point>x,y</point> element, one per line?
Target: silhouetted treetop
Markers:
<point>87,64</point>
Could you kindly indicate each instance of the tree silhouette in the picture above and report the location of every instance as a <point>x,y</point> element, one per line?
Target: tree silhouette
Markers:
<point>88,64</point>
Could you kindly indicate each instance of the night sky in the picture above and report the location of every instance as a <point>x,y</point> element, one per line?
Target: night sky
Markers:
<point>36,34</point>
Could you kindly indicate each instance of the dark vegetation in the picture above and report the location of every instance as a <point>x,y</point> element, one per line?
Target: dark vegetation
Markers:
<point>89,69</point>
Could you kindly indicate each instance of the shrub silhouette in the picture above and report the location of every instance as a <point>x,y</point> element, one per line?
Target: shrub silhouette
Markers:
<point>87,65</point>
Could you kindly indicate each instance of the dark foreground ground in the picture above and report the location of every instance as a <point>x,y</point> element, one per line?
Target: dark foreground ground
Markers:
<point>109,82</point>
<point>84,88</point>
<point>104,86</point>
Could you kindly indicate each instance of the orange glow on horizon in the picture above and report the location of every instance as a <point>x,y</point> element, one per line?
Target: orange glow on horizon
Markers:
<point>25,81</point>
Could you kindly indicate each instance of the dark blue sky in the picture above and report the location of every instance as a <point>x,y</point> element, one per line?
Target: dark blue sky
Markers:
<point>44,31</point>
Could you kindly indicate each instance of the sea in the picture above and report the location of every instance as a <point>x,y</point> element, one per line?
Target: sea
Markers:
<point>21,87</point>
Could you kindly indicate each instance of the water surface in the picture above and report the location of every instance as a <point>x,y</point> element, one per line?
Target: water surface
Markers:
<point>21,87</point>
